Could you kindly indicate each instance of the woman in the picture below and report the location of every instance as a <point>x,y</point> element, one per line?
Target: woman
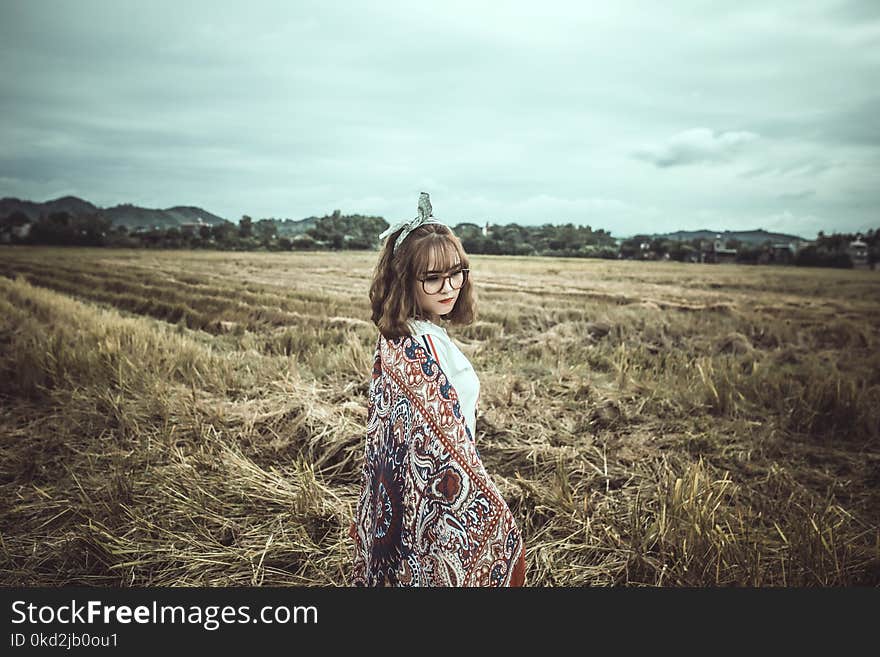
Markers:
<point>428,513</point>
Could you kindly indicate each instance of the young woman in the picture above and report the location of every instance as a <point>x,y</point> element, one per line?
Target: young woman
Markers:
<point>428,513</point>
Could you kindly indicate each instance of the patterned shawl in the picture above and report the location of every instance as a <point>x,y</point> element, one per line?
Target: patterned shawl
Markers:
<point>428,512</point>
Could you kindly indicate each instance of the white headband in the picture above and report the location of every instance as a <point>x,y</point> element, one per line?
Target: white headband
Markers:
<point>424,217</point>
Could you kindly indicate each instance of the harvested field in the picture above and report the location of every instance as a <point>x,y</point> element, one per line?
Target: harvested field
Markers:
<point>175,418</point>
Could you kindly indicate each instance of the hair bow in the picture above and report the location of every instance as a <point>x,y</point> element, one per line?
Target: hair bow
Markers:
<point>424,217</point>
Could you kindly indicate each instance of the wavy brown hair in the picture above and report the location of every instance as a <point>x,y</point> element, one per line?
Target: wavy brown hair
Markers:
<point>393,292</point>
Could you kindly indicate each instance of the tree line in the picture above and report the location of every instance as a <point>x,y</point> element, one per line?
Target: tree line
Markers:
<point>338,232</point>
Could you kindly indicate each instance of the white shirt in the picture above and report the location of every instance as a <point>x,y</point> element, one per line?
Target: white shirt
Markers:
<point>455,366</point>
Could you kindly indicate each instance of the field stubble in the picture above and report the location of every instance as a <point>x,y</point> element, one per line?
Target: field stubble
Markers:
<point>197,419</point>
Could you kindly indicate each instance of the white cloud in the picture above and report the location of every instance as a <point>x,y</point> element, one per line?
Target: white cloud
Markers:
<point>695,146</point>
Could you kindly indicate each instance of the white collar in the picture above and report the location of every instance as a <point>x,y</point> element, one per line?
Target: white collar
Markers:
<point>427,326</point>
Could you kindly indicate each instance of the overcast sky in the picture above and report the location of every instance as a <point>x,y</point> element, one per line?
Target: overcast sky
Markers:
<point>628,116</point>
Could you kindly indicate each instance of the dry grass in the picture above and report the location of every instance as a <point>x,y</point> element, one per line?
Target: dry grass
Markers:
<point>176,419</point>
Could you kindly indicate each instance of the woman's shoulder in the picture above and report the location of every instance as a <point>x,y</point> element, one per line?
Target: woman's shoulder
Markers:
<point>420,327</point>
<point>434,338</point>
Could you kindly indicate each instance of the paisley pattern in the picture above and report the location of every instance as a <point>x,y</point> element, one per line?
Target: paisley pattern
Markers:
<point>428,513</point>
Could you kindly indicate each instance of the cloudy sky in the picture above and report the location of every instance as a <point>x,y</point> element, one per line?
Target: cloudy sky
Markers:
<point>626,116</point>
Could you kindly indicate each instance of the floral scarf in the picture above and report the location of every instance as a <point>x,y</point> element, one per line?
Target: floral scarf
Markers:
<point>428,513</point>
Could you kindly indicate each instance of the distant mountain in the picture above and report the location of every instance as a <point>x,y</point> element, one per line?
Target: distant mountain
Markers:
<point>126,214</point>
<point>134,216</point>
<point>758,236</point>
<point>31,210</point>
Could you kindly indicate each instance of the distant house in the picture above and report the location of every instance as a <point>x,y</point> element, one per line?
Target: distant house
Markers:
<point>486,229</point>
<point>858,251</point>
<point>779,253</point>
<point>191,228</point>
<point>22,231</point>
<point>716,252</point>
<point>16,233</point>
<point>782,253</point>
<point>142,230</point>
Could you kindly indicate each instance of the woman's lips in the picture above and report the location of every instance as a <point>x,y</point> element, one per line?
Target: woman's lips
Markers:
<point>448,301</point>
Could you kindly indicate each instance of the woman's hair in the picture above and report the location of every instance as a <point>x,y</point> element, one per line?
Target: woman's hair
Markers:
<point>393,293</point>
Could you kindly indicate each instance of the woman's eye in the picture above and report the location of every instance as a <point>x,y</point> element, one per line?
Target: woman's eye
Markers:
<point>432,278</point>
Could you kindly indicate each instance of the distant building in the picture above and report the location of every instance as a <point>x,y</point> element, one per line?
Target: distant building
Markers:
<point>191,228</point>
<point>22,231</point>
<point>858,251</point>
<point>15,233</point>
<point>779,253</point>
<point>716,252</point>
<point>486,229</point>
<point>782,253</point>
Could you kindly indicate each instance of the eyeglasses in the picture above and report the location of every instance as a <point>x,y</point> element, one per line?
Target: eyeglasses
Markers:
<point>434,283</point>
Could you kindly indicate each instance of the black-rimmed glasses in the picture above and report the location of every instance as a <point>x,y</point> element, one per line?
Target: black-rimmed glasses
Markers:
<point>434,283</point>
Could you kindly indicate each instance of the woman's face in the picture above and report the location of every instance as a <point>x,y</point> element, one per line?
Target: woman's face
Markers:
<point>435,305</point>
